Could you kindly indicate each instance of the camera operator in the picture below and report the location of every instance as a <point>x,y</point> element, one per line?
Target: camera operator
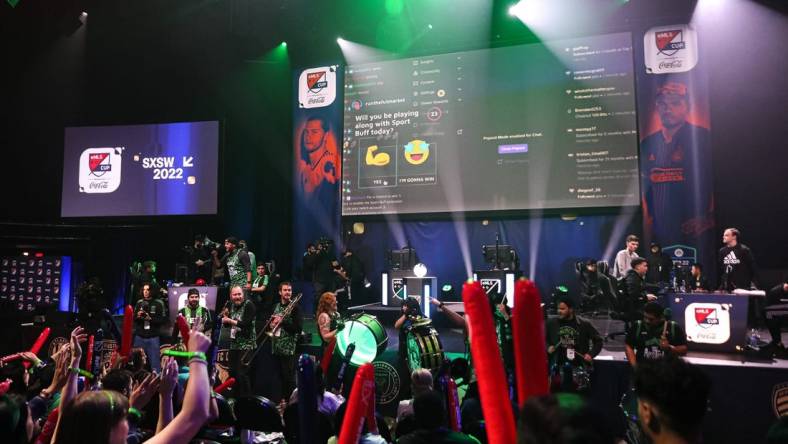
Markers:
<point>308,263</point>
<point>339,285</point>
<point>354,269</point>
<point>149,316</point>
<point>324,274</point>
<point>198,259</point>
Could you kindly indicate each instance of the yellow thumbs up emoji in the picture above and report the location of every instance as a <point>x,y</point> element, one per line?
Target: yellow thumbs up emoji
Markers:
<point>379,159</point>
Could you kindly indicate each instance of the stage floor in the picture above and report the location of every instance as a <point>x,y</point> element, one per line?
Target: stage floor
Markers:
<point>453,340</point>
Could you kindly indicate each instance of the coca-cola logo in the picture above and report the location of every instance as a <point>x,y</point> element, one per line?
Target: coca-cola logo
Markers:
<point>670,64</point>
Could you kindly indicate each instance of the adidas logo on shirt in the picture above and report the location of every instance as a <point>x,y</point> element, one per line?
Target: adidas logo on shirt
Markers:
<point>731,259</point>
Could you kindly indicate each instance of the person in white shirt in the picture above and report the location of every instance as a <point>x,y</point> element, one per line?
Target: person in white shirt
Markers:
<point>623,262</point>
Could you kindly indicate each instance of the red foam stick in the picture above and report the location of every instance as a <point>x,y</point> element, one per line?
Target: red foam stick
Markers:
<point>454,406</point>
<point>128,321</point>
<point>530,356</point>
<point>38,344</point>
<point>326,360</point>
<point>362,398</point>
<point>89,354</point>
<point>224,386</point>
<point>184,329</point>
<point>11,358</point>
<point>488,363</point>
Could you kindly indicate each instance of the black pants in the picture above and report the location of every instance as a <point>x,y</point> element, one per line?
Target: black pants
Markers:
<point>287,374</point>
<point>240,372</point>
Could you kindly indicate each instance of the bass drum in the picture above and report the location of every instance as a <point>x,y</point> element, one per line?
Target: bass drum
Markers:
<point>368,335</point>
<point>424,349</point>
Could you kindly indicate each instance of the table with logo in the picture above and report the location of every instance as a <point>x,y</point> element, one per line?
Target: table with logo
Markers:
<point>715,322</point>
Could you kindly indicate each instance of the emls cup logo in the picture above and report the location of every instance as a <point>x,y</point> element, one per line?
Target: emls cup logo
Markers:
<point>99,170</point>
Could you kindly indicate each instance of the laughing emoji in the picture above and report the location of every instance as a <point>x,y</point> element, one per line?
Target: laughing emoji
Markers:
<point>417,152</point>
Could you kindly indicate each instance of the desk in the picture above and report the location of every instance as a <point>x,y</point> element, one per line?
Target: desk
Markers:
<point>713,321</point>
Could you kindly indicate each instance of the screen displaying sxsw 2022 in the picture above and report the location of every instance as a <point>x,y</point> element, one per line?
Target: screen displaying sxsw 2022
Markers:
<point>141,170</point>
<point>538,126</point>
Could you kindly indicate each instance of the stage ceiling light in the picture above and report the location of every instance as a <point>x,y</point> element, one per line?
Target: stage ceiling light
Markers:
<point>420,270</point>
<point>284,44</point>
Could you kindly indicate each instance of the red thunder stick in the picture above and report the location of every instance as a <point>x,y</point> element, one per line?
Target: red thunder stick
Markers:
<point>326,360</point>
<point>89,354</point>
<point>454,406</point>
<point>184,329</point>
<point>128,321</point>
<point>38,344</point>
<point>224,386</point>
<point>362,393</point>
<point>488,363</point>
<point>529,342</point>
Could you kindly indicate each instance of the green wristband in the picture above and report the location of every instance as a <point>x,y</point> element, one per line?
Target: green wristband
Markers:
<point>82,372</point>
<point>180,354</point>
<point>135,413</point>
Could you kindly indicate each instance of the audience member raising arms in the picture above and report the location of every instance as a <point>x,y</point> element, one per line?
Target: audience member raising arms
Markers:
<point>101,416</point>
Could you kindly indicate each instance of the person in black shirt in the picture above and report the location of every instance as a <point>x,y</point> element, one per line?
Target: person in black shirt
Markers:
<point>697,281</point>
<point>776,313</point>
<point>736,263</point>
<point>654,337</point>
<point>198,260</point>
<point>672,400</point>
<point>635,295</point>
<point>149,316</point>
<point>659,265</point>
<point>596,288</point>
<point>570,338</point>
<point>354,270</point>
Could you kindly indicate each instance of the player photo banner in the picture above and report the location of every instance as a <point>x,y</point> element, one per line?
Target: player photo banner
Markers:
<point>317,125</point>
<point>677,193</point>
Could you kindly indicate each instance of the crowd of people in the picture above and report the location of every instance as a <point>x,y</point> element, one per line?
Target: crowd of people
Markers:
<point>57,401</point>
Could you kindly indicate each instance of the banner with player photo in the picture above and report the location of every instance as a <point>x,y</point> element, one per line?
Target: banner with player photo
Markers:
<point>317,125</point>
<point>677,194</point>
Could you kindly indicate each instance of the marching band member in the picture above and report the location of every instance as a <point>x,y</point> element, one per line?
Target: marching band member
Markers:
<point>286,325</point>
<point>238,335</point>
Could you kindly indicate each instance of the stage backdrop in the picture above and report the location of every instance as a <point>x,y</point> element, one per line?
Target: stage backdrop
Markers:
<point>677,205</point>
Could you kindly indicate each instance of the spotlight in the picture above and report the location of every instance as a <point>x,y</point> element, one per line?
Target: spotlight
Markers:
<point>420,270</point>
<point>25,253</point>
<point>447,292</point>
<point>84,14</point>
<point>283,44</point>
<point>513,9</point>
<point>340,40</point>
<point>429,26</point>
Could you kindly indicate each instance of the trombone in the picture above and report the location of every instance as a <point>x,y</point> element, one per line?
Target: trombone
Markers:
<point>271,329</point>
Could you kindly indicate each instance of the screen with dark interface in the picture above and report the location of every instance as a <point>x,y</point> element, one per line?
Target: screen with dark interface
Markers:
<point>536,126</point>
<point>141,170</point>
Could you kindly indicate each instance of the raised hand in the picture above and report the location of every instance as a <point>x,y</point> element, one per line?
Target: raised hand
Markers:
<point>143,392</point>
<point>169,376</point>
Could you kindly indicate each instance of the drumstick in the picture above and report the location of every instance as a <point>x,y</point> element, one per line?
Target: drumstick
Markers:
<point>37,345</point>
<point>128,320</point>
<point>529,343</point>
<point>488,363</point>
<point>362,395</point>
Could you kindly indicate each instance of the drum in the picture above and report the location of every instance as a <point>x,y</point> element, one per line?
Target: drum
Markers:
<point>629,405</point>
<point>369,336</point>
<point>629,408</point>
<point>424,349</point>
